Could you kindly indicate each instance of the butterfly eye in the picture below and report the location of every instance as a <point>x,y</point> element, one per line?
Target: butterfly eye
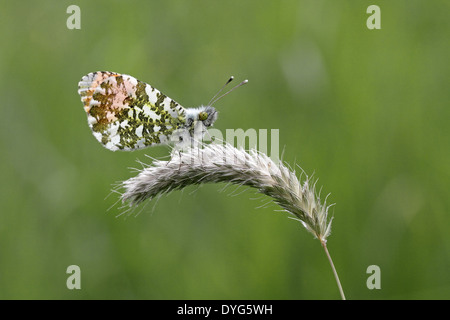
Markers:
<point>202,116</point>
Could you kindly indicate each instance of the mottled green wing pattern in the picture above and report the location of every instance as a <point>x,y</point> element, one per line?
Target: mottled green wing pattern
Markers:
<point>127,114</point>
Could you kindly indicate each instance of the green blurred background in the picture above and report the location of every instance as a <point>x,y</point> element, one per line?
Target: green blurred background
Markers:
<point>366,111</point>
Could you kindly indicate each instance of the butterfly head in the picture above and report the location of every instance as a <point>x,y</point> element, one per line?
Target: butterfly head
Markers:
<point>206,115</point>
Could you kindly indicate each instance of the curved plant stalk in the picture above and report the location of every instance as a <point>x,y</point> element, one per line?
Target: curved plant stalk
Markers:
<point>215,163</point>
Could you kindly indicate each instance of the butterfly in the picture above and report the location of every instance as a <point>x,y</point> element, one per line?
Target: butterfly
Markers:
<point>127,114</point>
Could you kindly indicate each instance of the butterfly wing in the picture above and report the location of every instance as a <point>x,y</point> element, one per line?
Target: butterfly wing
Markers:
<point>127,114</point>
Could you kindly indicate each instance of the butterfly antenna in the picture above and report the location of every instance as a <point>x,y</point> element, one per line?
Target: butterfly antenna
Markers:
<point>229,80</point>
<point>232,89</point>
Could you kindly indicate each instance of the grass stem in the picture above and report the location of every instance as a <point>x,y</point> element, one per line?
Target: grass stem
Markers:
<point>341,291</point>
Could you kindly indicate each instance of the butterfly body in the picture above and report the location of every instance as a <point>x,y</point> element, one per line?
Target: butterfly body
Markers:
<point>127,114</point>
